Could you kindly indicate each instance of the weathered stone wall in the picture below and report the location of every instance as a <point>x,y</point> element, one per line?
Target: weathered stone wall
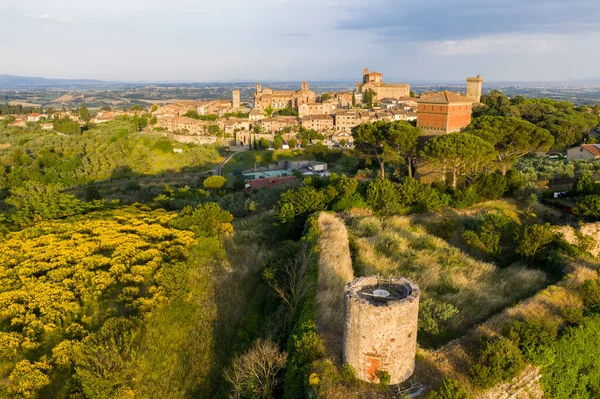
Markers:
<point>189,139</point>
<point>335,271</point>
<point>525,386</point>
<point>380,337</point>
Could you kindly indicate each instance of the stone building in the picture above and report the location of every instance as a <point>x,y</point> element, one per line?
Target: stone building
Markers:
<point>343,98</point>
<point>278,123</point>
<point>320,123</point>
<point>230,125</point>
<point>474,86</point>
<point>217,107</point>
<point>326,107</point>
<point>584,151</point>
<point>236,99</point>
<point>182,123</point>
<point>177,109</point>
<point>256,115</point>
<point>374,81</point>
<point>443,112</point>
<point>346,120</point>
<point>278,99</point>
<point>380,327</point>
<point>401,115</point>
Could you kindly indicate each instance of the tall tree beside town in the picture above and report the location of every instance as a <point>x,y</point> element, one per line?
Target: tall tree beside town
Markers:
<point>386,142</point>
<point>459,154</point>
<point>269,111</point>
<point>264,144</point>
<point>353,99</point>
<point>136,124</point>
<point>512,138</point>
<point>368,97</point>
<point>84,113</point>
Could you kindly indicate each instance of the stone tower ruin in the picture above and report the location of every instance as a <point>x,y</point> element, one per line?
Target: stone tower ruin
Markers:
<point>380,327</point>
<point>474,88</point>
<point>236,99</point>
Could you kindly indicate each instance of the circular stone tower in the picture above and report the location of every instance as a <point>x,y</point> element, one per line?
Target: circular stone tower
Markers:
<point>380,327</point>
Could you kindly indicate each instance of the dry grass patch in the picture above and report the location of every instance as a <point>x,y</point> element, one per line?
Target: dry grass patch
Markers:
<point>547,306</point>
<point>395,247</point>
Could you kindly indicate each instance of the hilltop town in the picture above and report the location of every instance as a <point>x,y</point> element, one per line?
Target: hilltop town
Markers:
<point>286,242</point>
<point>285,112</point>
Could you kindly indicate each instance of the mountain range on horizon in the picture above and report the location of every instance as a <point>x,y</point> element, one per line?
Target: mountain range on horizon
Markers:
<point>15,81</point>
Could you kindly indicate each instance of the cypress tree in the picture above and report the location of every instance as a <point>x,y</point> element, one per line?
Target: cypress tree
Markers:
<point>84,113</point>
<point>136,124</point>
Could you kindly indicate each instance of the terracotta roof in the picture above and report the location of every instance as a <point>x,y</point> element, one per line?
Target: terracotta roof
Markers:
<point>592,148</point>
<point>394,84</point>
<point>269,182</point>
<point>443,97</point>
<point>315,117</point>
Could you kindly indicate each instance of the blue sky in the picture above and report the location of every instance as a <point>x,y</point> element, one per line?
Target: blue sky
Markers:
<point>412,41</point>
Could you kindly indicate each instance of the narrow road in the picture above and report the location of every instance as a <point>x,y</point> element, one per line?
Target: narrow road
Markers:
<point>219,168</point>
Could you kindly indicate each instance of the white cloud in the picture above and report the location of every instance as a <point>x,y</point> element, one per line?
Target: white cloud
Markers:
<point>48,17</point>
<point>504,44</point>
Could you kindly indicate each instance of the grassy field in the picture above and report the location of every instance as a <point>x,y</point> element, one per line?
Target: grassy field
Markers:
<point>397,247</point>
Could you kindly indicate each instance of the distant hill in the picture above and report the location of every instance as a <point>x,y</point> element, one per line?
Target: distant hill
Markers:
<point>10,81</point>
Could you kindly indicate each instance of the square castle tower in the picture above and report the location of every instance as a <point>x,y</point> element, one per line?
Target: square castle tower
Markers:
<point>474,88</point>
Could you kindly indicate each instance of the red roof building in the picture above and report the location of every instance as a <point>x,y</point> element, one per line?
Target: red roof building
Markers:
<point>443,112</point>
<point>268,183</point>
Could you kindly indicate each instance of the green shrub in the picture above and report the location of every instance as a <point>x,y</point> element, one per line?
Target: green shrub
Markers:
<point>535,238</point>
<point>491,186</point>
<point>207,220</point>
<point>296,204</point>
<point>450,389</point>
<point>133,186</point>
<point>514,181</point>
<point>214,182</point>
<point>585,243</point>
<point>355,201</point>
<point>464,198</point>
<point>499,360</point>
<point>575,372</point>
<point>384,377</point>
<point>573,315</point>
<point>487,232</point>
<point>584,184</point>
<point>433,313</point>
<point>107,358</point>
<point>591,294</point>
<point>382,197</point>
<point>444,228</point>
<point>164,145</point>
<point>533,340</point>
<point>277,143</point>
<point>421,197</point>
<point>589,206</point>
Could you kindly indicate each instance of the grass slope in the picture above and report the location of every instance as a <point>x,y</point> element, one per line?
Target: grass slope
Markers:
<point>395,247</point>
